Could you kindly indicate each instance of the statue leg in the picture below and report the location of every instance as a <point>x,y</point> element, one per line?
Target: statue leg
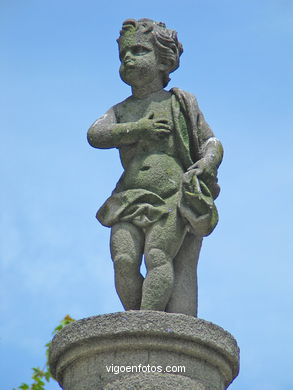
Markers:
<point>126,250</point>
<point>184,294</point>
<point>162,243</point>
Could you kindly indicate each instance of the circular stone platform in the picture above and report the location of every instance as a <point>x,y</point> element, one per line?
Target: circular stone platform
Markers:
<point>144,350</point>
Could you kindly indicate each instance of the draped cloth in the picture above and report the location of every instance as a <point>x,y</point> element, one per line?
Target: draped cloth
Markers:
<point>194,199</point>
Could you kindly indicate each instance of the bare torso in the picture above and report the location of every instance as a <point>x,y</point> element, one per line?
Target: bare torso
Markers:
<point>150,163</point>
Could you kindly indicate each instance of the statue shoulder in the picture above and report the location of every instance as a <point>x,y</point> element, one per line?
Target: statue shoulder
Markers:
<point>120,107</point>
<point>180,92</point>
<point>186,99</point>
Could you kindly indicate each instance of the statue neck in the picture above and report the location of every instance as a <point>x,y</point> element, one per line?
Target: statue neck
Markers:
<point>141,92</point>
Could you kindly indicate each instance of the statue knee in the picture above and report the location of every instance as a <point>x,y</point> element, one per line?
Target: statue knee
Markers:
<point>156,258</point>
<point>123,263</point>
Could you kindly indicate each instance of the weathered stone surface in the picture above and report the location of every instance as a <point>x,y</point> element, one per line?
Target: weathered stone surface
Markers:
<point>163,204</point>
<point>156,382</point>
<point>82,350</point>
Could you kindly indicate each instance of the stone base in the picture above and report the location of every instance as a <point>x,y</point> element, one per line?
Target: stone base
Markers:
<point>144,350</point>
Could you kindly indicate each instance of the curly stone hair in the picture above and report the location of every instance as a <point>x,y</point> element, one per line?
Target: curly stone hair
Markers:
<point>168,48</point>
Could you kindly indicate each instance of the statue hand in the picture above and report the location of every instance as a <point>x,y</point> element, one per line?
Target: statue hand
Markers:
<point>202,168</point>
<point>154,128</point>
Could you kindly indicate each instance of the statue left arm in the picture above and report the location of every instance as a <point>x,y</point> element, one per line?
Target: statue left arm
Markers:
<point>210,150</point>
<point>206,151</point>
<point>211,158</point>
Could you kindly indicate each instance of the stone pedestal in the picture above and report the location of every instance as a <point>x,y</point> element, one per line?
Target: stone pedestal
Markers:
<point>144,350</point>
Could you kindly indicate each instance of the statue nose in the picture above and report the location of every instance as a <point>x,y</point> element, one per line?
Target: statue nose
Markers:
<point>128,56</point>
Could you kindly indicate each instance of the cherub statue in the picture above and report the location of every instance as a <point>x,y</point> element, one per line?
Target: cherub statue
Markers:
<point>163,204</point>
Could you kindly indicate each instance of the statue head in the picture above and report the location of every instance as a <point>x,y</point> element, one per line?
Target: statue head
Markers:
<point>149,35</point>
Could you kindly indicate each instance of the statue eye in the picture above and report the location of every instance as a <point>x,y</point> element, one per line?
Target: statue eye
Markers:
<point>140,50</point>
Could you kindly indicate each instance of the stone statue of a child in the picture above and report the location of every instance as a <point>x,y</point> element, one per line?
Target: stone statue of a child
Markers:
<point>163,204</point>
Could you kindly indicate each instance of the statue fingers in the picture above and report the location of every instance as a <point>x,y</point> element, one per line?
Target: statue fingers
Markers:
<point>164,126</point>
<point>196,171</point>
<point>160,132</point>
<point>192,167</point>
<point>163,121</point>
<point>150,115</point>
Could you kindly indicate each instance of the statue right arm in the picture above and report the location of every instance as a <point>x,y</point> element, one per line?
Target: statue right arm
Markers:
<point>106,133</point>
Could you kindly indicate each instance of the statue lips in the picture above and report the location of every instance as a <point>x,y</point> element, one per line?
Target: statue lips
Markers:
<point>129,63</point>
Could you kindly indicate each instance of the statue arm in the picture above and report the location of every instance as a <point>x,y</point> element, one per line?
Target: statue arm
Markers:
<point>212,151</point>
<point>210,148</point>
<point>106,133</point>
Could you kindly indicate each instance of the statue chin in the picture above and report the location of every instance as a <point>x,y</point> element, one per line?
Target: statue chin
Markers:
<point>124,76</point>
<point>137,77</point>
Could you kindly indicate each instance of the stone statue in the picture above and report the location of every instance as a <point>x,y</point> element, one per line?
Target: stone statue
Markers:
<point>161,208</point>
<point>163,204</point>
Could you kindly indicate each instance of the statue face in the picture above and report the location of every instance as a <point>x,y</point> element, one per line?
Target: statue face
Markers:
<point>139,62</point>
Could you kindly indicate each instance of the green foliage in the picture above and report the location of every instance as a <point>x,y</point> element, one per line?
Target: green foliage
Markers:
<point>40,377</point>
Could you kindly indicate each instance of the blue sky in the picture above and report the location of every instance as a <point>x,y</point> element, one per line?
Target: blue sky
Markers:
<point>59,72</point>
